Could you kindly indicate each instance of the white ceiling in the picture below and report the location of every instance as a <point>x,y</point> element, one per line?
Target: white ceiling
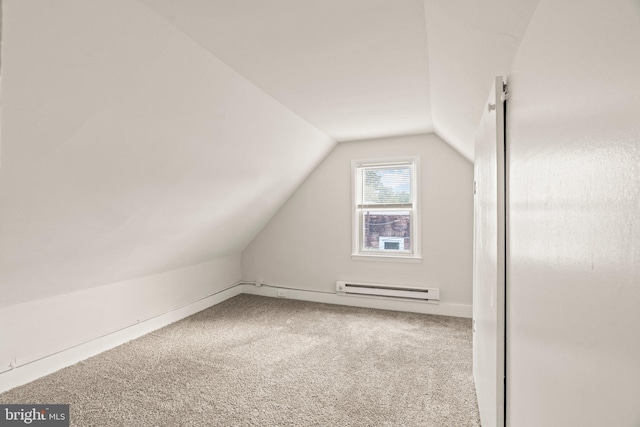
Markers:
<point>358,69</point>
<point>132,152</point>
<point>144,136</point>
<point>354,69</point>
<point>470,43</point>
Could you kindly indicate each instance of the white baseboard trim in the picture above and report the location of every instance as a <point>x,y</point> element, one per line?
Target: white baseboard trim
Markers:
<point>441,309</point>
<point>54,362</point>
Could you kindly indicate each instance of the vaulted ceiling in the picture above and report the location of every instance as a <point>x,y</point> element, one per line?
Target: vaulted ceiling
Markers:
<point>362,69</point>
<point>143,136</point>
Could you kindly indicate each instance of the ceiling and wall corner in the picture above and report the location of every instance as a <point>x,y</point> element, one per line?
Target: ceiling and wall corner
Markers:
<point>470,43</point>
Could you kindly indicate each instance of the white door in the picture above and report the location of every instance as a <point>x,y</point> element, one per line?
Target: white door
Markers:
<point>489,261</point>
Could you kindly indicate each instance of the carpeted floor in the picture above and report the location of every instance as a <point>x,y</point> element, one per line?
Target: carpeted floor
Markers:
<point>256,361</point>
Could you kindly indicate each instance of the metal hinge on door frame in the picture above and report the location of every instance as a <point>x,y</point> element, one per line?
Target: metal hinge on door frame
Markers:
<point>505,92</point>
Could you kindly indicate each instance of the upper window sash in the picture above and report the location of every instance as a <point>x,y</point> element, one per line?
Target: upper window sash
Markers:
<point>385,185</point>
<point>388,206</point>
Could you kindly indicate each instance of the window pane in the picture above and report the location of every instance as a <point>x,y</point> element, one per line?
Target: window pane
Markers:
<point>386,230</point>
<point>388,185</point>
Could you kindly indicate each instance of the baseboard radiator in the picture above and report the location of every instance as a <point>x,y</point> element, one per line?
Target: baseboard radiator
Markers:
<point>431,295</point>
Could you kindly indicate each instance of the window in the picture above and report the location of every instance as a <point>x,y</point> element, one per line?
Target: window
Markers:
<point>385,219</point>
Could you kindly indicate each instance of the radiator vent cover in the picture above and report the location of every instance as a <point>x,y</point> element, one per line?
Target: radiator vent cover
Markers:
<point>388,291</point>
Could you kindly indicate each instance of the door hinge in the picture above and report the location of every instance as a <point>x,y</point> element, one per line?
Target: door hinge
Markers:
<point>475,187</point>
<point>505,92</point>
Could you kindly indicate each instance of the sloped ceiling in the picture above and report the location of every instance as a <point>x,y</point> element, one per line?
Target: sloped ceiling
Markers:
<point>128,149</point>
<point>470,43</point>
<point>143,136</point>
<point>360,69</point>
<point>355,69</point>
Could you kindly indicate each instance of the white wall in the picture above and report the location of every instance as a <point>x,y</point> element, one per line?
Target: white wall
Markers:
<point>574,272</point>
<point>57,331</point>
<point>130,150</point>
<point>43,327</point>
<point>307,244</point>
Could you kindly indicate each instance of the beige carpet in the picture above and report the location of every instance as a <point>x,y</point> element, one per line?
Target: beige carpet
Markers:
<point>256,361</point>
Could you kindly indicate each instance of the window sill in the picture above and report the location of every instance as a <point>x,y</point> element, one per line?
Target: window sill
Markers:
<point>387,258</point>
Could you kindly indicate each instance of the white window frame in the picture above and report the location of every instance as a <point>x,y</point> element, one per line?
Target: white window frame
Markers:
<point>357,251</point>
